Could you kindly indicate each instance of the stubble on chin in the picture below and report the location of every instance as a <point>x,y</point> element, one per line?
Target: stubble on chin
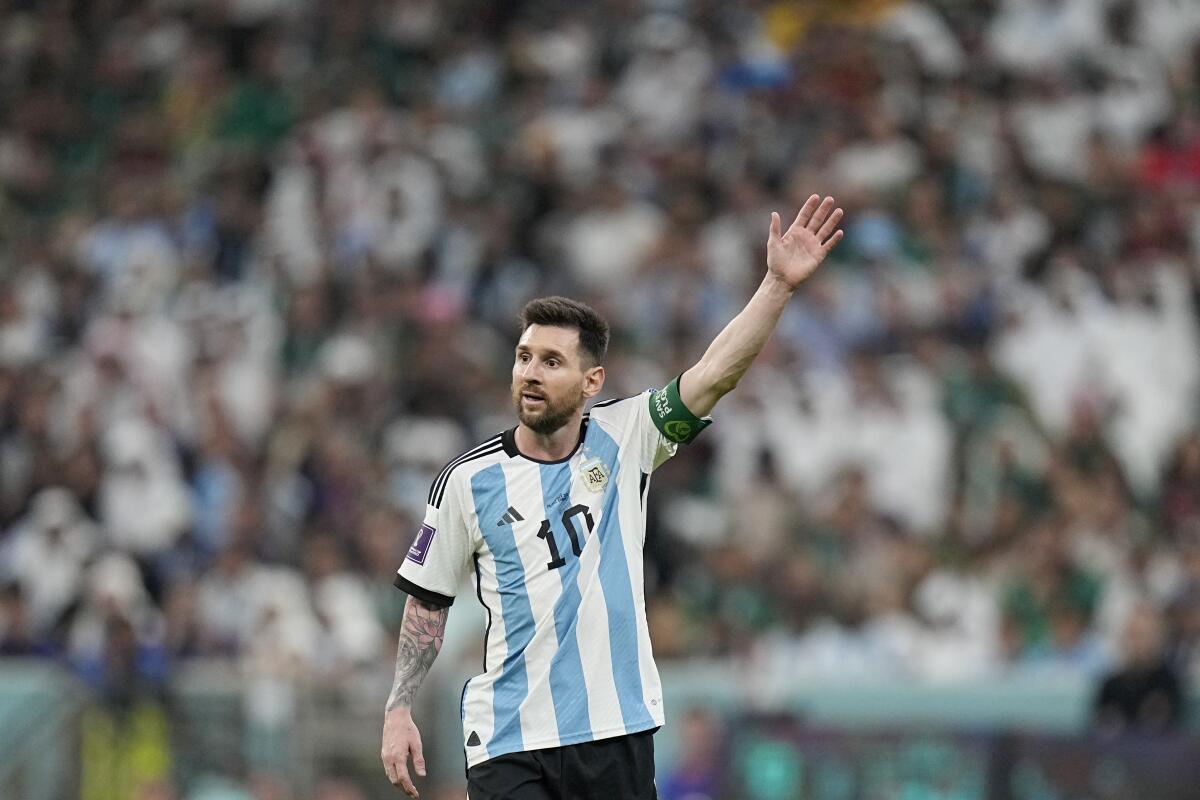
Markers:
<point>544,422</point>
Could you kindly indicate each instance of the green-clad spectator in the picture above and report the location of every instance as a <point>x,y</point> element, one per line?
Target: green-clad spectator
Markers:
<point>259,110</point>
<point>1048,578</point>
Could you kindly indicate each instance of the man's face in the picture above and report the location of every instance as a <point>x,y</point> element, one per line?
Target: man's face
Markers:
<point>550,380</point>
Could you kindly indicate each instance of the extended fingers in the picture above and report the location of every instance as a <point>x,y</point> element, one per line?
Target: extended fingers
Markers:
<point>820,215</point>
<point>830,224</point>
<point>817,216</point>
<point>806,211</point>
<point>833,240</point>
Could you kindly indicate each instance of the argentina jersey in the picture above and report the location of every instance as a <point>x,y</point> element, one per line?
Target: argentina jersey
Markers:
<point>555,550</point>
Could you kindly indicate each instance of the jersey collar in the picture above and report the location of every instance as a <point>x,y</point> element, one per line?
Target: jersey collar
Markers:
<point>509,440</point>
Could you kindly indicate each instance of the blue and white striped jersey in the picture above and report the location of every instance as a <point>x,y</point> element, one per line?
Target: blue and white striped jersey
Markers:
<point>556,552</point>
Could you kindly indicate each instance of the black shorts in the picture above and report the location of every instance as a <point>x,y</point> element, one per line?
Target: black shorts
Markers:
<point>621,767</point>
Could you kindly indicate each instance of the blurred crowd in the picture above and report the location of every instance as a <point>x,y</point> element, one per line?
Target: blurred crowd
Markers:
<point>261,262</point>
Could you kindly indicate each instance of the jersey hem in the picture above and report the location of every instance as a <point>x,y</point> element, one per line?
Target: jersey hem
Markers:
<point>567,741</point>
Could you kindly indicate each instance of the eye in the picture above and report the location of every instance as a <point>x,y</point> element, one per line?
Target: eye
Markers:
<point>523,357</point>
<point>551,362</point>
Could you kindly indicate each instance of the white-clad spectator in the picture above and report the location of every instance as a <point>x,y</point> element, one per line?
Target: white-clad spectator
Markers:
<point>131,251</point>
<point>605,244</point>
<point>1008,235</point>
<point>1135,94</point>
<point>239,598</point>
<point>347,359</point>
<point>280,646</point>
<point>398,208</point>
<point>960,619</point>
<point>884,419</point>
<point>884,159</point>
<point>1127,353</point>
<point>1030,36</point>
<point>246,368</point>
<point>378,196</point>
<point>47,556</point>
<point>235,337</point>
<point>916,23</point>
<point>342,606</point>
<point>565,51</point>
<point>459,155</point>
<point>417,448</point>
<point>1167,27</point>
<point>1143,342</point>
<point>830,651</point>
<point>225,596</point>
<point>280,623</point>
<point>1053,123</point>
<point>141,361</point>
<point>1043,348</point>
<point>974,124</point>
<point>576,135</point>
<point>661,87</point>
<point>113,586</point>
<point>292,230</point>
<point>24,333</point>
<point>143,503</point>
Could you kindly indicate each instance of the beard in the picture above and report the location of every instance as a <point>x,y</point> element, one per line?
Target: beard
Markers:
<point>551,416</point>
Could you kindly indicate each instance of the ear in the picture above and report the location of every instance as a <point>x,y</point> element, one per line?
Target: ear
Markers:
<point>593,381</point>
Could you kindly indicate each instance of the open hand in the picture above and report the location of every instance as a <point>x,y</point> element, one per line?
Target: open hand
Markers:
<point>793,256</point>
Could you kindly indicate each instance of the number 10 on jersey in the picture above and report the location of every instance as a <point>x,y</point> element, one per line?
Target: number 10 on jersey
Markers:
<point>568,522</point>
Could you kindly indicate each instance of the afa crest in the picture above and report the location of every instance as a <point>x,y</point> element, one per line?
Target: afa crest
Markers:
<point>594,474</point>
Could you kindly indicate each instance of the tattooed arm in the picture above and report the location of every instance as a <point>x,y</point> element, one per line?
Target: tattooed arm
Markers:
<point>421,635</point>
<point>420,640</point>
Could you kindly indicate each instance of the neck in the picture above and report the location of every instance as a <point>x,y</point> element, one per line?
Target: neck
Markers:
<point>550,446</point>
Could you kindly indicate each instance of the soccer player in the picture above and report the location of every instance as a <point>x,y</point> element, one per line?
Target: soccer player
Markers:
<point>549,518</point>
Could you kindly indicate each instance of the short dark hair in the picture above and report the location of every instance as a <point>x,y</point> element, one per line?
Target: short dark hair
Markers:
<point>563,312</point>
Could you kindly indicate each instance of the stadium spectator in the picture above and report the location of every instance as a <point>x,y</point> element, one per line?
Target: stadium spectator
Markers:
<point>697,774</point>
<point>1145,693</point>
<point>17,637</point>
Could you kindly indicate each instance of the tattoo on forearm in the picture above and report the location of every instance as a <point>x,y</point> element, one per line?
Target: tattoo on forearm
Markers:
<point>420,640</point>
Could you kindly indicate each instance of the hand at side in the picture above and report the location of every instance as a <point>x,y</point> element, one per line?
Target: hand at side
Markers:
<point>421,634</point>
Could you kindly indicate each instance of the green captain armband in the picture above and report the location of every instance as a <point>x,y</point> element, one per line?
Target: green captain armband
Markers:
<point>672,417</point>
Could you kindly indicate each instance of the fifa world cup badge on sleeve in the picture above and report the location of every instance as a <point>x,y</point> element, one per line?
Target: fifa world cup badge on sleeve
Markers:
<point>420,545</point>
<point>594,474</point>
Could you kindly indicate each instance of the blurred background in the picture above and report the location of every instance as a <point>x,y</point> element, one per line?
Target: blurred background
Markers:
<point>260,266</point>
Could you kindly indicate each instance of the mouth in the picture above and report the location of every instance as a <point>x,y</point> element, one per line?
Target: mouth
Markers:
<point>532,398</point>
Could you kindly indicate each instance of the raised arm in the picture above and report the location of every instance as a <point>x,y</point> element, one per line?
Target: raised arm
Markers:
<point>791,257</point>
<point>421,634</point>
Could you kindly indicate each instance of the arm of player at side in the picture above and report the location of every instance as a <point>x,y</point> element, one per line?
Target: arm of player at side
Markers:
<point>791,257</point>
<point>434,566</point>
<point>421,633</point>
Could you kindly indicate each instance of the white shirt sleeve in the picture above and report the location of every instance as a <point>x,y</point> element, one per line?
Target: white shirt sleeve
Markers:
<point>440,555</point>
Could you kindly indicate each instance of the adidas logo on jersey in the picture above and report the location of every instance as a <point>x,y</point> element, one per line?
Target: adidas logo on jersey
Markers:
<point>510,516</point>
